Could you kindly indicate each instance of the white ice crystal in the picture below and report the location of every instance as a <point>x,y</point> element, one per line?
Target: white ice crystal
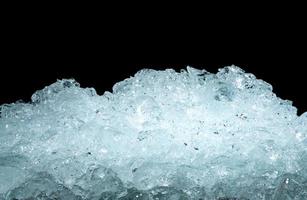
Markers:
<point>158,135</point>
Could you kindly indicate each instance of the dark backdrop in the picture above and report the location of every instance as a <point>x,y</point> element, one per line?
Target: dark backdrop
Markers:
<point>36,53</point>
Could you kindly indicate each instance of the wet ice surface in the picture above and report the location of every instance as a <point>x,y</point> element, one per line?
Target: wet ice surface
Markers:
<point>158,135</point>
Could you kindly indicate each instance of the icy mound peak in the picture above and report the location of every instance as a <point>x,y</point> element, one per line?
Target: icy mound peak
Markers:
<point>158,135</point>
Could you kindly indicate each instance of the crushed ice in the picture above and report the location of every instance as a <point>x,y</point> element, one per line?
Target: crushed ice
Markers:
<point>158,135</point>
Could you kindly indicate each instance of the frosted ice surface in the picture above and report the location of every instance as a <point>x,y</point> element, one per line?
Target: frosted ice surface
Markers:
<point>158,135</point>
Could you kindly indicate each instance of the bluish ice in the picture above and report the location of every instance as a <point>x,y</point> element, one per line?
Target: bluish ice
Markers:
<point>158,135</point>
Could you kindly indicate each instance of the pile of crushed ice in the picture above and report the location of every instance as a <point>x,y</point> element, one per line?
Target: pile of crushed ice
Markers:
<point>158,135</point>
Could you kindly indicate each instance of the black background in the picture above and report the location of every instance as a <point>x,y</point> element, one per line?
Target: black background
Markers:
<point>37,51</point>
